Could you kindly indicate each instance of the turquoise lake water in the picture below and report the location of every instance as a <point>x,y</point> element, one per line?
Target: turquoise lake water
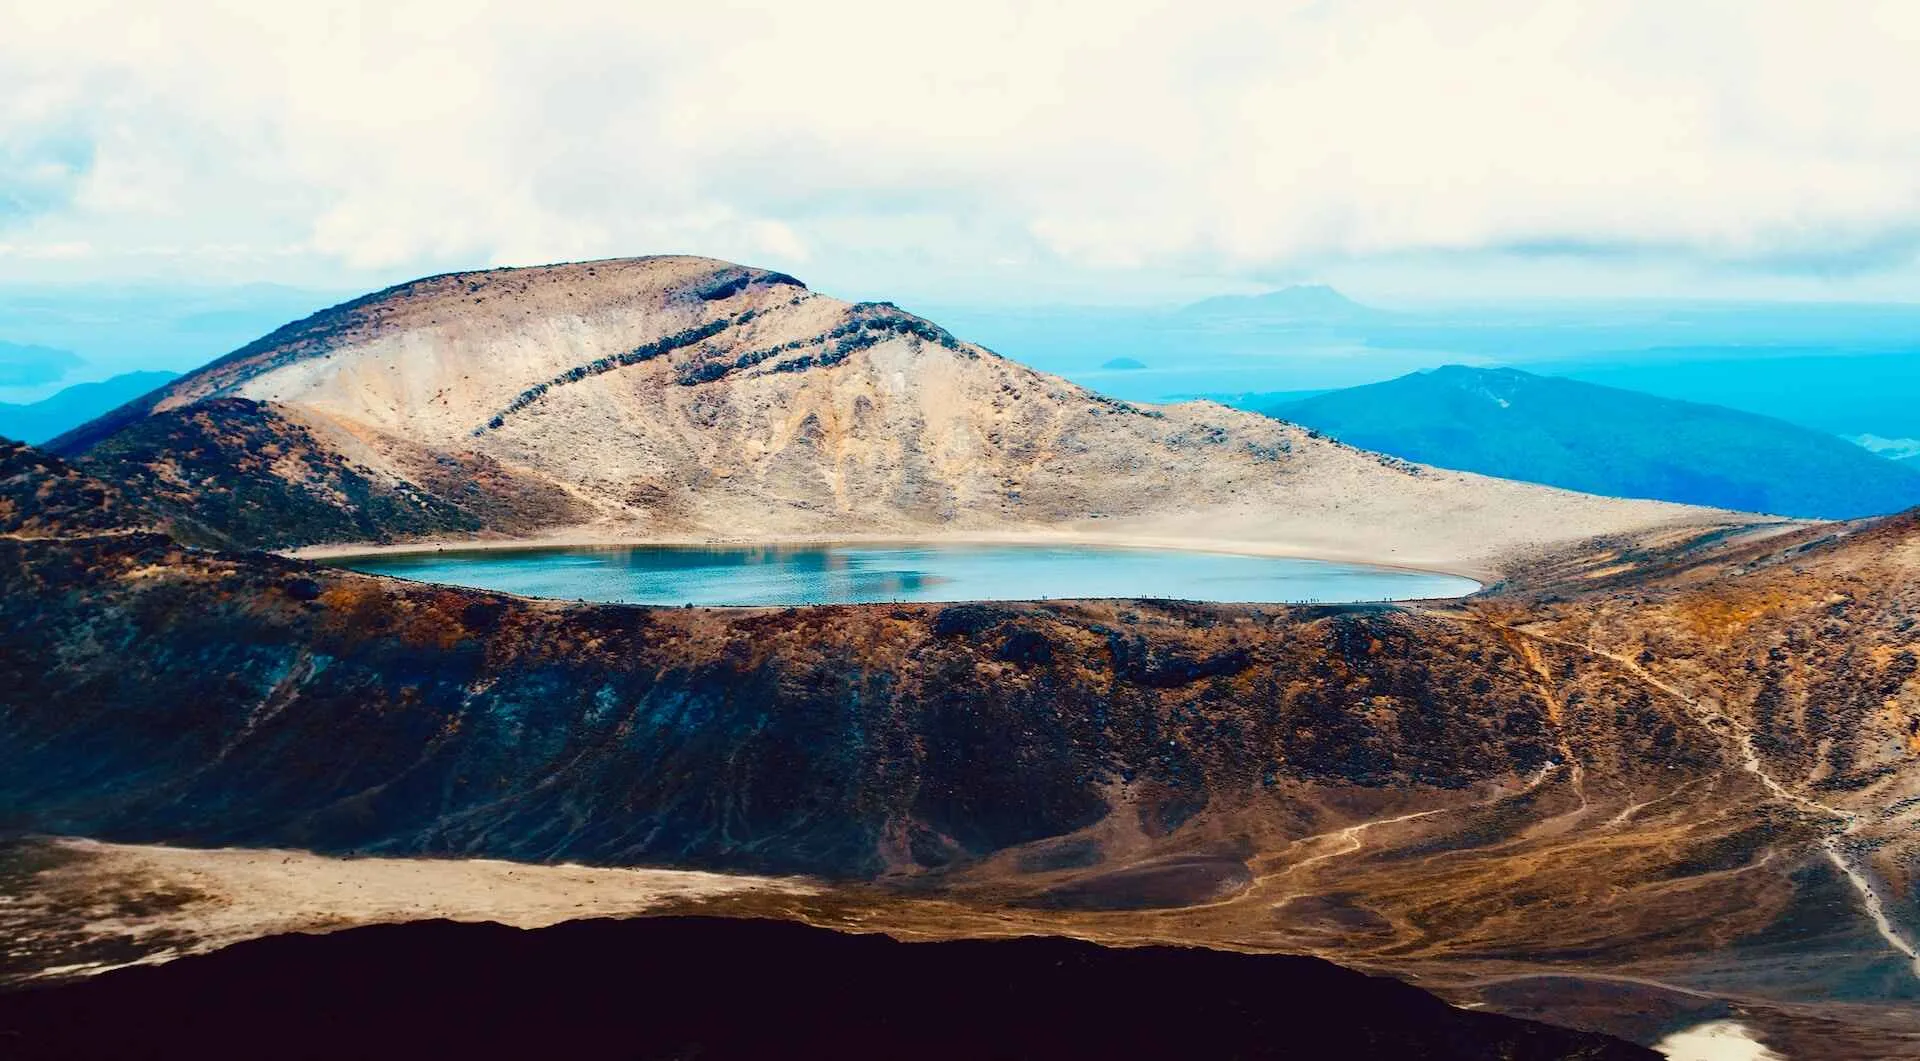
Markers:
<point>848,574</point>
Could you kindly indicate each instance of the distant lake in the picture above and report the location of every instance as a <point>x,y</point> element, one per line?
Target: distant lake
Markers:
<point>848,574</point>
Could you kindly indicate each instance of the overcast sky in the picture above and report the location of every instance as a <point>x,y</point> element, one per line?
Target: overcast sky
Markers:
<point>979,150</point>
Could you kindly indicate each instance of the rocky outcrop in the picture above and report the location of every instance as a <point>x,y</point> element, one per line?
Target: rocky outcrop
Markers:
<point>42,496</point>
<point>240,473</point>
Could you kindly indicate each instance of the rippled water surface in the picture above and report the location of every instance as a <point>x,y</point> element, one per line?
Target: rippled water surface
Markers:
<point>848,574</point>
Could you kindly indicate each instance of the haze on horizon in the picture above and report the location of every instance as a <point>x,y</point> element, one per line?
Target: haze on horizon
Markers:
<point>991,152</point>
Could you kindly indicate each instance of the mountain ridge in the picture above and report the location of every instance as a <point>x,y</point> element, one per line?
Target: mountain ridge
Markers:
<point>38,422</point>
<point>1583,436</point>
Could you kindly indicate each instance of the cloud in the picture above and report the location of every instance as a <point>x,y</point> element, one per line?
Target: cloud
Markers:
<point>1120,137</point>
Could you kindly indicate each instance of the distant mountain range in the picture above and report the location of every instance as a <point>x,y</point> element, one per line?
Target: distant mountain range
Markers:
<point>1305,303</point>
<point>36,422</point>
<point>29,365</point>
<point>124,327</point>
<point>1582,436</point>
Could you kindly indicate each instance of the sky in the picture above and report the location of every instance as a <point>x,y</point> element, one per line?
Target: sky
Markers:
<point>981,152</point>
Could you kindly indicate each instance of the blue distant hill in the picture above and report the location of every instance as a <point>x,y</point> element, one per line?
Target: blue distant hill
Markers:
<point>36,422</point>
<point>1603,440</point>
<point>27,365</point>
<point>1302,303</point>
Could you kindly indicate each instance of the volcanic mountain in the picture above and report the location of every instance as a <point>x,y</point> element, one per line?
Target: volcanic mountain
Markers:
<point>1582,436</point>
<point>663,398</point>
<point>1299,304</point>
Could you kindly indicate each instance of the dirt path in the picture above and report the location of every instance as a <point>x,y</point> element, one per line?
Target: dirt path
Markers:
<point>1556,710</point>
<point>1350,835</point>
<point>1870,898</point>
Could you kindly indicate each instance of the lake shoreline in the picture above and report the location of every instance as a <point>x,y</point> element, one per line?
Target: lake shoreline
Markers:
<point>586,538</point>
<point>872,572</point>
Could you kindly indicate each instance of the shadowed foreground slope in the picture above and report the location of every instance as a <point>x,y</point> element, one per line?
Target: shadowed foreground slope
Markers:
<point>731,989</point>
